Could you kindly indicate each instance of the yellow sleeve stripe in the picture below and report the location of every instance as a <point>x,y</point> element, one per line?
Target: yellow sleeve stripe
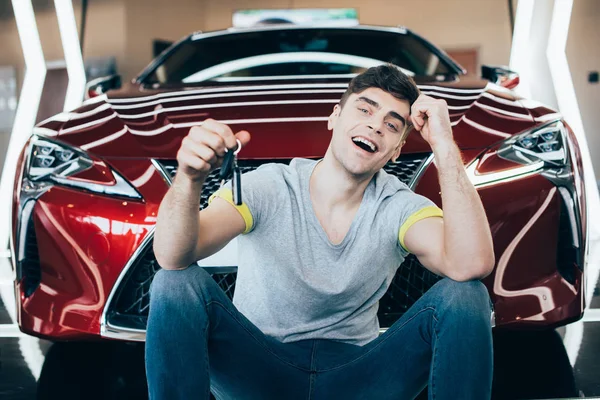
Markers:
<point>227,195</point>
<point>431,211</point>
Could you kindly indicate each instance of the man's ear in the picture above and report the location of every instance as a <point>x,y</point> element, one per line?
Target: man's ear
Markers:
<point>397,151</point>
<point>407,130</point>
<point>333,117</point>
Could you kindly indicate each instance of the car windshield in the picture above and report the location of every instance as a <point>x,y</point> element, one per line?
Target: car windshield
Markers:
<point>294,54</point>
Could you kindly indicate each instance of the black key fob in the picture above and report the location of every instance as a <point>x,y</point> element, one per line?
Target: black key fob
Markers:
<point>236,185</point>
<point>227,166</point>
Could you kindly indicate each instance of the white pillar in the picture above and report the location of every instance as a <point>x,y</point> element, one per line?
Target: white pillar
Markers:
<point>72,50</point>
<point>29,101</point>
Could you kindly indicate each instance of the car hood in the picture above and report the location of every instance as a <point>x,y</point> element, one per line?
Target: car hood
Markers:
<point>285,119</point>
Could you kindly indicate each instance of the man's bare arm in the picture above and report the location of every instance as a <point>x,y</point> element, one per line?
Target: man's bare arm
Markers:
<point>459,246</point>
<point>183,235</point>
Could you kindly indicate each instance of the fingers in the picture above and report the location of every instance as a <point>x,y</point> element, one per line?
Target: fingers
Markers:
<point>243,137</point>
<point>417,120</point>
<point>200,149</point>
<point>203,149</point>
<point>419,111</point>
<point>426,107</point>
<point>191,164</point>
<point>222,130</point>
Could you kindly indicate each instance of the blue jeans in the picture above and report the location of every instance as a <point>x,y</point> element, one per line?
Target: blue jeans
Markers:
<point>198,341</point>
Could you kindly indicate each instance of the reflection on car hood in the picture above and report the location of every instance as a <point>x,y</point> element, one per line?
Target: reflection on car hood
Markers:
<point>286,119</point>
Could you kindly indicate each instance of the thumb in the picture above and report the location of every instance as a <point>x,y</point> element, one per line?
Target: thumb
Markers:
<point>243,137</point>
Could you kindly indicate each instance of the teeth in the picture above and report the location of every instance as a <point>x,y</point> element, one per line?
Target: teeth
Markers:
<point>365,141</point>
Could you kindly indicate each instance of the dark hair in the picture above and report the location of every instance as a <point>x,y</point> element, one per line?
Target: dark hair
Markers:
<point>388,78</point>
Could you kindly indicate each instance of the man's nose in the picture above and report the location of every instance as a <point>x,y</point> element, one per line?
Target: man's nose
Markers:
<point>375,126</point>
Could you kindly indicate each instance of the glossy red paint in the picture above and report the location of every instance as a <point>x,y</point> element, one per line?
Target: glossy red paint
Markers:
<point>155,126</point>
<point>99,173</point>
<point>85,240</point>
<point>529,265</point>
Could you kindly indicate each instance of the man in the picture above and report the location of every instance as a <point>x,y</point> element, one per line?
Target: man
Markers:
<point>320,243</point>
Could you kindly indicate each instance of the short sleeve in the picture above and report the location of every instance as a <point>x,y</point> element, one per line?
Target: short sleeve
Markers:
<point>411,208</point>
<point>259,193</point>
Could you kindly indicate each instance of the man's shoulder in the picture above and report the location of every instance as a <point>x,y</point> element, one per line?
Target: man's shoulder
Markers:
<point>275,174</point>
<point>397,197</point>
<point>388,185</point>
<point>300,164</point>
<point>296,166</point>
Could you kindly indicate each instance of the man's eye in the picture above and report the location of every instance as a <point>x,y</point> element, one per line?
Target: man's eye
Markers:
<point>392,127</point>
<point>363,110</point>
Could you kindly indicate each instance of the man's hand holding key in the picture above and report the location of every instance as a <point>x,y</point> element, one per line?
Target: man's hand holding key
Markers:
<point>204,148</point>
<point>208,230</point>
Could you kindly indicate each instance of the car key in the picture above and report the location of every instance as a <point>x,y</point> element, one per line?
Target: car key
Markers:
<point>226,167</point>
<point>236,183</point>
<point>228,162</point>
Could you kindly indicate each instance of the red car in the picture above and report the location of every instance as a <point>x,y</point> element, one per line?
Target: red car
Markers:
<point>90,181</point>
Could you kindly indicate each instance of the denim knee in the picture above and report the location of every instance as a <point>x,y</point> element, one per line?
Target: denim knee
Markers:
<point>467,299</point>
<point>179,285</point>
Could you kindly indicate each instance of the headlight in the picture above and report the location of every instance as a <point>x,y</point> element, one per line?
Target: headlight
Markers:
<point>546,144</point>
<point>541,150</point>
<point>52,162</point>
<point>49,160</point>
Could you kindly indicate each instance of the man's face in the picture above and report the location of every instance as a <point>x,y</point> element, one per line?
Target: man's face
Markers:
<point>367,131</point>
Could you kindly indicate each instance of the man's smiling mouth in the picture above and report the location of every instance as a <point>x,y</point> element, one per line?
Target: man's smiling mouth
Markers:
<point>365,144</point>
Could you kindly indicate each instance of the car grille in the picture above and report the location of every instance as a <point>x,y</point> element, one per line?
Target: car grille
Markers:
<point>568,255</point>
<point>405,169</point>
<point>129,308</point>
<point>412,279</point>
<point>29,267</point>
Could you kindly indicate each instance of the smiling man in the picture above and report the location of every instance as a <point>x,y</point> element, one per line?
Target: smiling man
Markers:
<point>320,242</point>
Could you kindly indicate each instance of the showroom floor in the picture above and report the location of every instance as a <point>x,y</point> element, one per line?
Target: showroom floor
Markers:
<point>556,364</point>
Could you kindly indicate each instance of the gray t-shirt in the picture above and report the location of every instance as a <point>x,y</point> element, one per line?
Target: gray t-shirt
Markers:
<point>292,282</point>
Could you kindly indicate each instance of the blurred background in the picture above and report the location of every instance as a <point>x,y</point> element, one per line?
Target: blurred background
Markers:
<point>123,36</point>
